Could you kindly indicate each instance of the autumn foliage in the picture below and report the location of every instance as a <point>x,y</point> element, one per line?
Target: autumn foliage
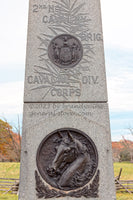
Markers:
<point>10,143</point>
<point>121,149</point>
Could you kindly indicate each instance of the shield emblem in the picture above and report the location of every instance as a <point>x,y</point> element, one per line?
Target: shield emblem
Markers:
<point>65,54</point>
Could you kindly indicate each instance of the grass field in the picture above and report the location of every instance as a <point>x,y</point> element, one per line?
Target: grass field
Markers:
<point>11,170</point>
<point>127,174</point>
<point>127,170</point>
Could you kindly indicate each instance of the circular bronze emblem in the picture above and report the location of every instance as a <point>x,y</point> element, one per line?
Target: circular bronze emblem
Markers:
<point>65,51</point>
<point>67,159</point>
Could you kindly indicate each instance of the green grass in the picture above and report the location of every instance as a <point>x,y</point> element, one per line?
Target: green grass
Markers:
<point>8,196</point>
<point>127,170</point>
<point>127,174</point>
<point>11,170</point>
<point>124,196</point>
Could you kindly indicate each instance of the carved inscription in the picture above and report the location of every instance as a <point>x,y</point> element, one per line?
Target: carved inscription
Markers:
<point>91,80</point>
<point>70,45</point>
<point>63,110</point>
<point>67,159</point>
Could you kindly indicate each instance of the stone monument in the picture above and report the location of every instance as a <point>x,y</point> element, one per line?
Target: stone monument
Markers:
<point>66,144</point>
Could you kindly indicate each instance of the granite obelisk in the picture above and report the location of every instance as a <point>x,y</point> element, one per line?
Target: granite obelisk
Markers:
<point>66,143</point>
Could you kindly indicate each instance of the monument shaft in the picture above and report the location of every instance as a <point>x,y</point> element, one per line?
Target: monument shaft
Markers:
<point>66,144</point>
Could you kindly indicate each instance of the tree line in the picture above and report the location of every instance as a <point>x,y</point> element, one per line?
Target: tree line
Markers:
<point>123,150</point>
<point>10,142</point>
<point>10,145</point>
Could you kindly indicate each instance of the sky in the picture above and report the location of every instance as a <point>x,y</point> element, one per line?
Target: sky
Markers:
<point>117,20</point>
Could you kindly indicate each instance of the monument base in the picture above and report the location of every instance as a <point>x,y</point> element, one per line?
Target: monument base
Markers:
<point>50,125</point>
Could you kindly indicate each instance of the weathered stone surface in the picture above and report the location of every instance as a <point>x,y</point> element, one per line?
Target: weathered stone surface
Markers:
<point>40,119</point>
<point>60,80</point>
<point>66,144</point>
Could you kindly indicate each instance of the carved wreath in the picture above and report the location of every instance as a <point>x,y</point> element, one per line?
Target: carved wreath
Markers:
<point>45,192</point>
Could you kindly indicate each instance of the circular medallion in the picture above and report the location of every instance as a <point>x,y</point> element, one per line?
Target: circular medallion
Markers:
<point>65,51</point>
<point>67,159</point>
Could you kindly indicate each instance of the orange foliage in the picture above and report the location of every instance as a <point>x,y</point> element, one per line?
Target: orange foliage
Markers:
<point>119,145</point>
<point>9,143</point>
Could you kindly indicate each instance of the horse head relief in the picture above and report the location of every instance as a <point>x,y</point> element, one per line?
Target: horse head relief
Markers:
<point>67,159</point>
